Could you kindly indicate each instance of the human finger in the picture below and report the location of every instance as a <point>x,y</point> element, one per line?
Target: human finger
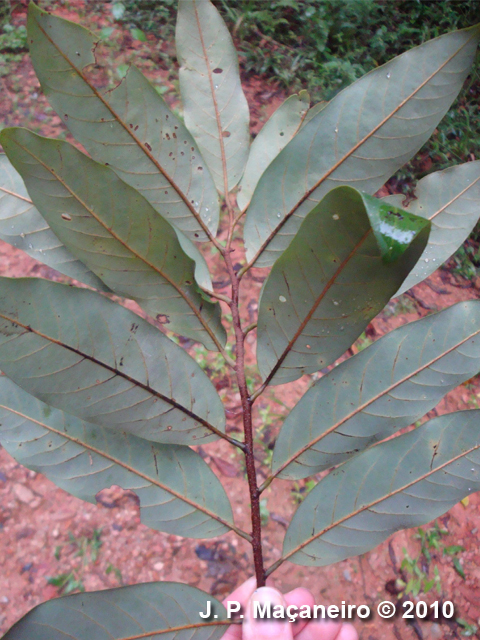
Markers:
<point>241,595</point>
<point>255,628</point>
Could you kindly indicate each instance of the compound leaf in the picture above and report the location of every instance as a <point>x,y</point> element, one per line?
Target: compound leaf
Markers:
<point>77,351</point>
<point>348,256</point>
<point>22,226</point>
<point>215,107</point>
<point>130,128</point>
<point>360,138</point>
<point>178,492</point>
<point>110,227</point>
<point>382,389</point>
<point>450,199</point>
<point>146,611</point>
<point>404,482</point>
<point>273,137</point>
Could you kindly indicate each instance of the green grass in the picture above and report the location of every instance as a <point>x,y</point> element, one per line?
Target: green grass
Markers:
<point>13,40</point>
<point>324,45</point>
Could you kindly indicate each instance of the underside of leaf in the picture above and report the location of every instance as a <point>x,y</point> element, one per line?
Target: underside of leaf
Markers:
<point>130,128</point>
<point>382,389</point>
<point>215,108</point>
<point>450,199</point>
<point>404,482</point>
<point>22,226</point>
<point>178,492</point>
<point>110,227</point>
<point>142,611</point>
<point>79,352</point>
<point>348,256</point>
<point>360,138</point>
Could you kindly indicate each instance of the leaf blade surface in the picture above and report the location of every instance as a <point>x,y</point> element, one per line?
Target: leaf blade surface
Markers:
<point>22,226</point>
<point>382,389</point>
<point>110,227</point>
<point>337,274</point>
<point>178,492</point>
<point>215,108</point>
<point>450,199</point>
<point>275,134</point>
<point>360,138</point>
<point>130,128</point>
<point>404,482</point>
<point>144,611</point>
<point>77,351</point>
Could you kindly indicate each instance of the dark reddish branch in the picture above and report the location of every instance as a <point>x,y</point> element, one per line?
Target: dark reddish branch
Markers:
<point>247,426</point>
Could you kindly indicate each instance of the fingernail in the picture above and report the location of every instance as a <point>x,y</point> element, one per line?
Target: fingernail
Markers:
<point>259,620</point>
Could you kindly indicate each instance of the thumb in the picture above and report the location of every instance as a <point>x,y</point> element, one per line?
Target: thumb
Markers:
<point>259,622</point>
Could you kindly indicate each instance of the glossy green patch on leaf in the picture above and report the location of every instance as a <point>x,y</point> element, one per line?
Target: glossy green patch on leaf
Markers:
<point>402,483</point>
<point>360,138</point>
<point>450,199</point>
<point>382,389</point>
<point>215,108</point>
<point>275,134</point>
<point>22,226</point>
<point>348,256</point>
<point>110,227</point>
<point>152,610</point>
<point>77,351</point>
<point>130,128</point>
<point>178,492</point>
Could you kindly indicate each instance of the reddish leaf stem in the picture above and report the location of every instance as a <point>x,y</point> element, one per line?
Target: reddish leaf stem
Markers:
<point>246,401</point>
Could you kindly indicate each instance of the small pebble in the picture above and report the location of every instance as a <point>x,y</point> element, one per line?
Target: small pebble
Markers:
<point>23,494</point>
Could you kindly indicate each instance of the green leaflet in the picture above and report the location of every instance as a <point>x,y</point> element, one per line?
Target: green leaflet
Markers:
<point>313,112</point>
<point>450,199</point>
<point>110,227</point>
<point>351,252</point>
<point>130,128</point>
<point>202,274</point>
<point>23,227</point>
<point>360,138</point>
<point>275,134</point>
<point>128,613</point>
<point>215,108</point>
<point>402,483</point>
<point>178,492</point>
<point>382,389</point>
<point>77,351</point>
